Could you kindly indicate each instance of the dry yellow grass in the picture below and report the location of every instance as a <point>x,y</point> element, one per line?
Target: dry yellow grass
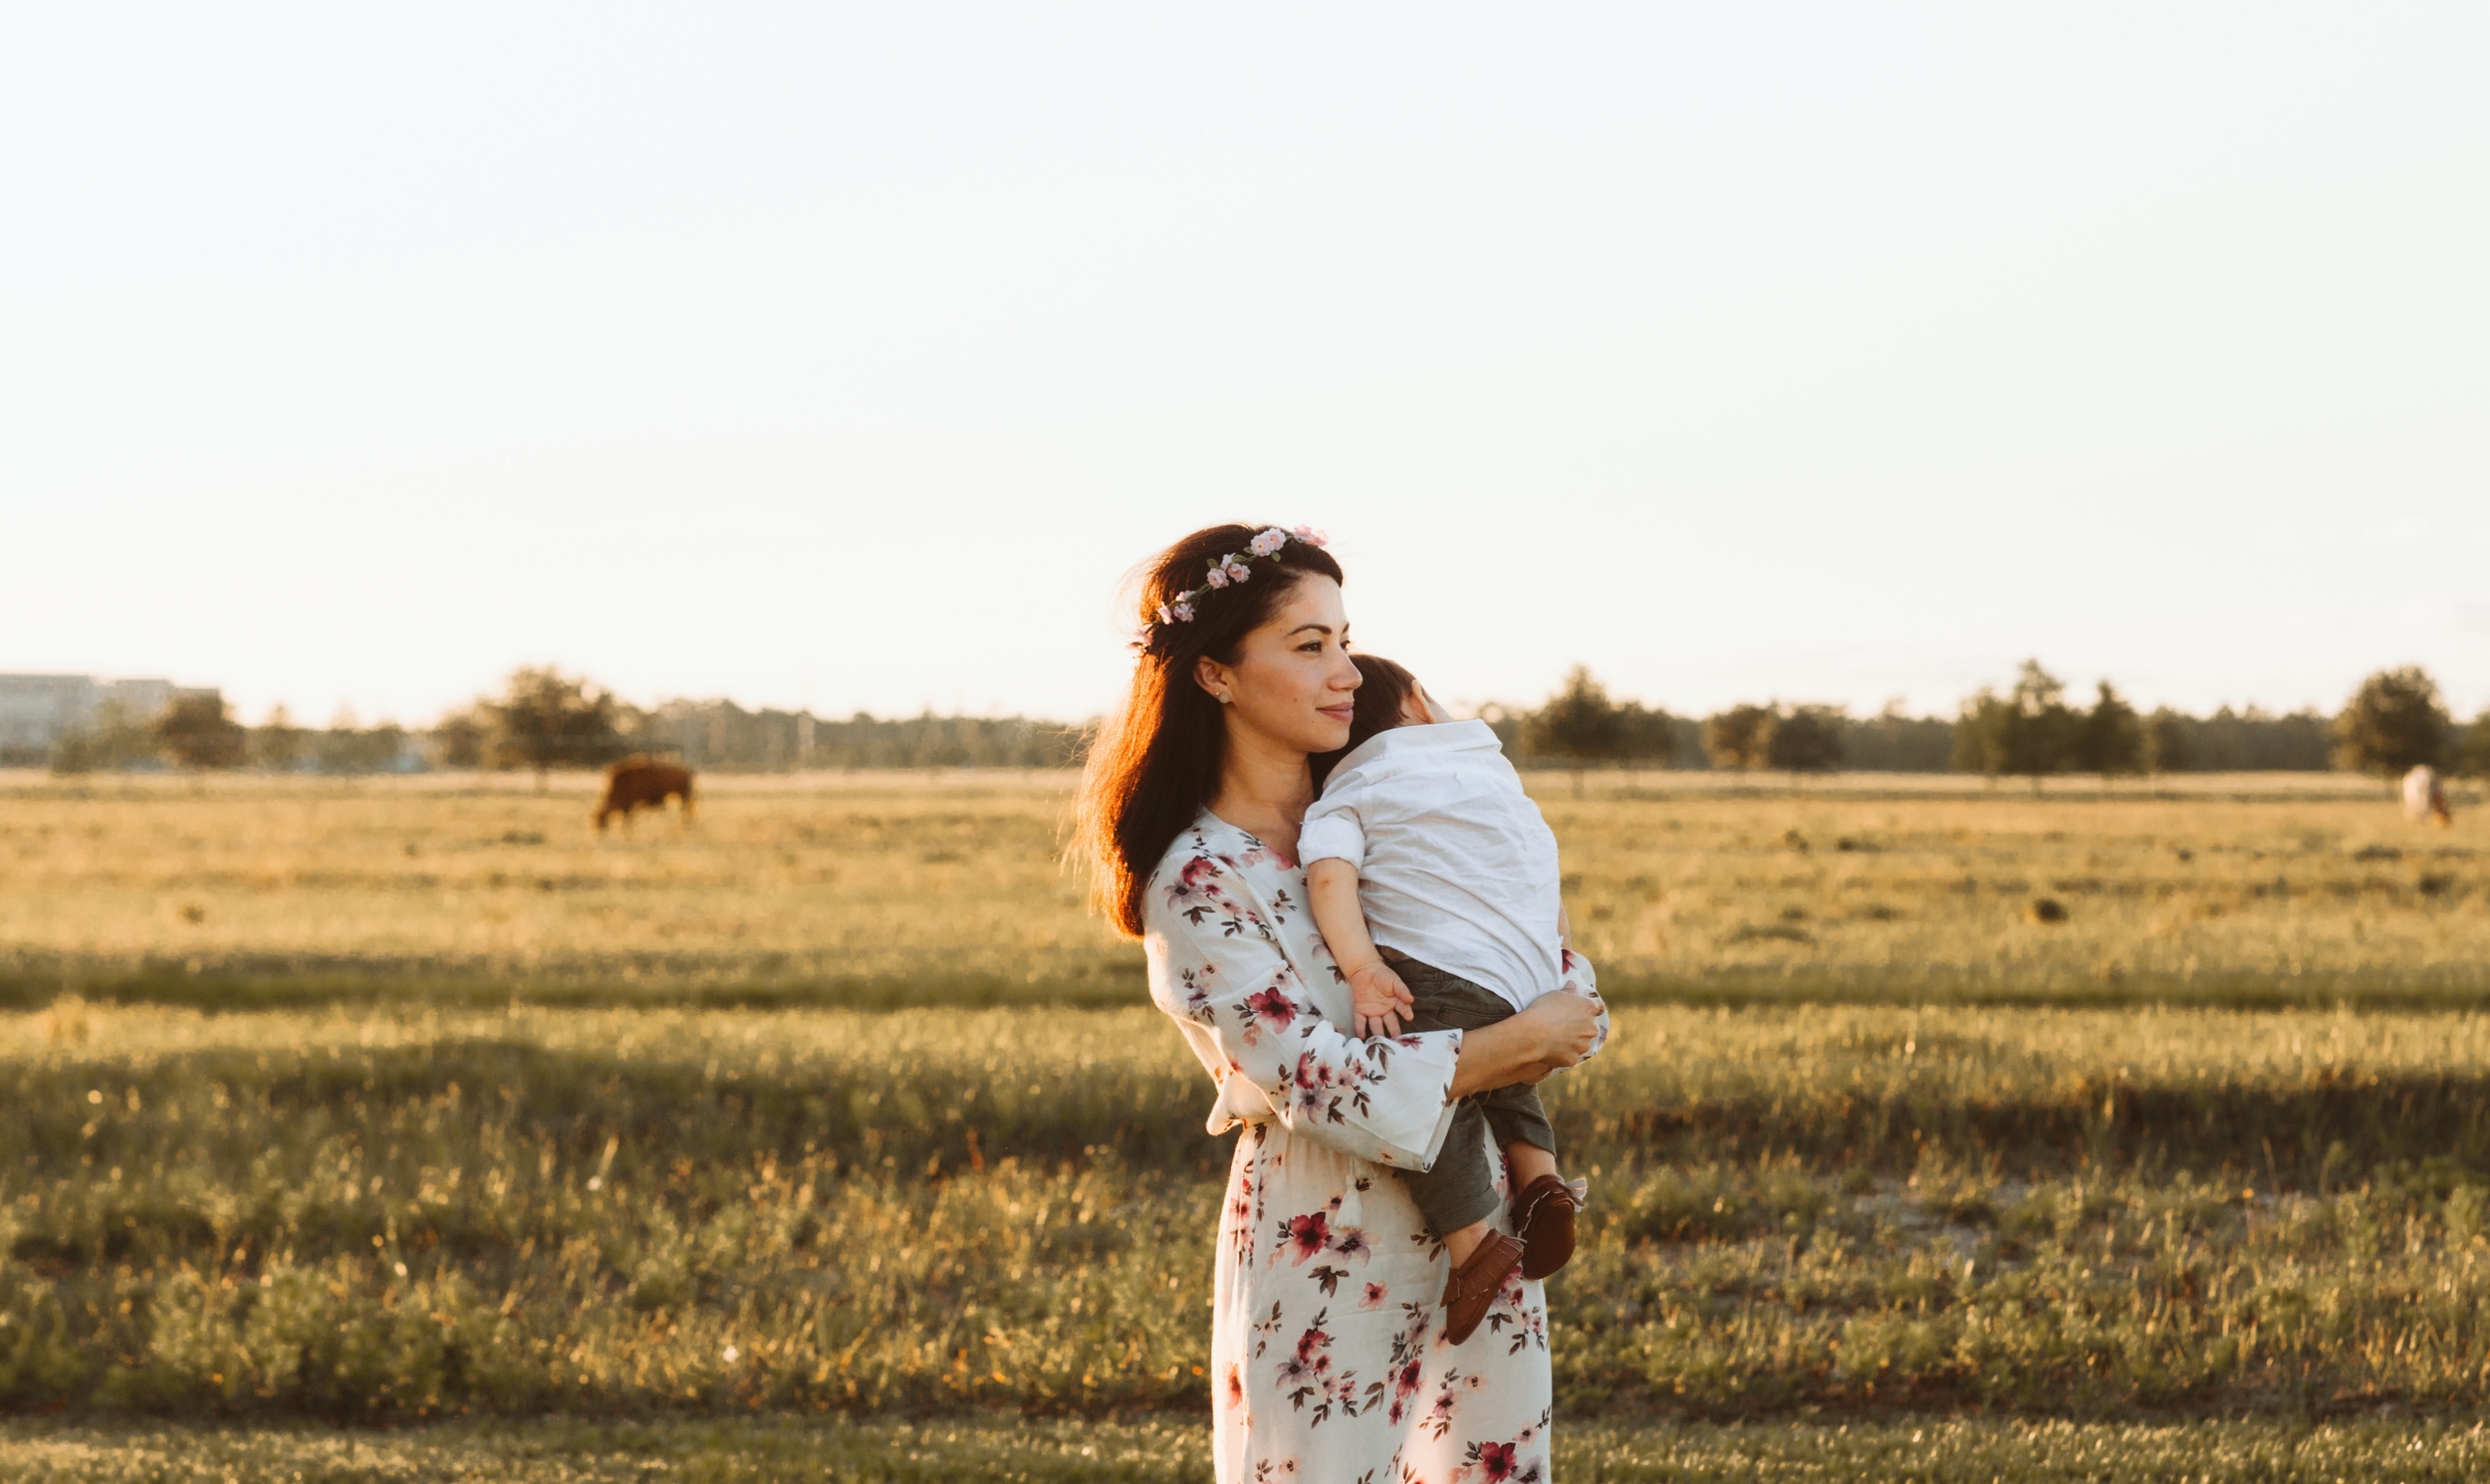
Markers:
<point>897,880</point>
<point>882,889</point>
<point>2297,888</point>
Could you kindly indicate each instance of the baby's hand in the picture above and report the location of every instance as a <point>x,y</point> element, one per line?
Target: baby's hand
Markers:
<point>1379,1000</point>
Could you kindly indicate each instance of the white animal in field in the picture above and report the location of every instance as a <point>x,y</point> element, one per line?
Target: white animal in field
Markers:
<point>2425,797</point>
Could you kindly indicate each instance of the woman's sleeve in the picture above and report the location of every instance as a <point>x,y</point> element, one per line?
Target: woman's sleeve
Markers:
<point>1382,1099</point>
<point>1578,978</point>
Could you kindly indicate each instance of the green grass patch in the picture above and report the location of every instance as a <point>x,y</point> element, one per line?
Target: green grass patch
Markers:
<point>385,1218</point>
<point>1970,1450</point>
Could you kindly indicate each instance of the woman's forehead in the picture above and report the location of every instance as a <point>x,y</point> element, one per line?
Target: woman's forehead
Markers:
<point>1314,602</point>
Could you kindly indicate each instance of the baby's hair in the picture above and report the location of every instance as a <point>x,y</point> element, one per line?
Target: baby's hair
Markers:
<point>1383,695</point>
<point>1382,699</point>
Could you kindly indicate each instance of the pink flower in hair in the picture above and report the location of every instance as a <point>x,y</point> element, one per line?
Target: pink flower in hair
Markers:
<point>1311,537</point>
<point>1163,616</point>
<point>1184,611</point>
<point>1219,573</point>
<point>1238,571</point>
<point>1268,542</point>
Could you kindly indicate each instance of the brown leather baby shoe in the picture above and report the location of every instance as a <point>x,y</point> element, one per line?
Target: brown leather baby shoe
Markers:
<point>1544,1217</point>
<point>1475,1283</point>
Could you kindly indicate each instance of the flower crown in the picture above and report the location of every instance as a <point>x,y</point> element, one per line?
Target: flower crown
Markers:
<point>1233,568</point>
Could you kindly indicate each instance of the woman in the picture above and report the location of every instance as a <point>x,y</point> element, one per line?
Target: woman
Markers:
<point>1329,1361</point>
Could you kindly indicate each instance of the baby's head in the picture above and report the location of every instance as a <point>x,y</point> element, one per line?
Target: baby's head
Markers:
<point>1390,696</point>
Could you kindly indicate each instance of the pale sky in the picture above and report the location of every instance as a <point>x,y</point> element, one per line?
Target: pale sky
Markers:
<point>847,357</point>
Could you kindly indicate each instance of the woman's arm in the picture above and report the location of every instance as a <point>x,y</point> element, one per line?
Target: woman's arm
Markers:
<point>1557,1030</point>
<point>1216,961</point>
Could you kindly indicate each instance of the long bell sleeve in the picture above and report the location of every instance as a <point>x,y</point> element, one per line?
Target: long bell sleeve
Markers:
<point>1219,966</point>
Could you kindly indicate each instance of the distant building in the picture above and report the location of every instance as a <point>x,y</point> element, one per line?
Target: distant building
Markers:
<point>37,711</point>
<point>144,700</point>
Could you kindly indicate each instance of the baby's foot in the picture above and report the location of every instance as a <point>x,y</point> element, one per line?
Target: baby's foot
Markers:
<point>1543,1216</point>
<point>1473,1285</point>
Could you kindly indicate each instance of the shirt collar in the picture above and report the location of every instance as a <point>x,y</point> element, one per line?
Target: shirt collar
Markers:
<point>1438,738</point>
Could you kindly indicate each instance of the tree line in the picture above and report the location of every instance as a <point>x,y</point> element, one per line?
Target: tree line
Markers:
<point>2028,729</point>
<point>198,731</point>
<point>543,719</point>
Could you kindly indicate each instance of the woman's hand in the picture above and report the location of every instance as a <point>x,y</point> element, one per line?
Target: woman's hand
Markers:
<point>1562,1028</point>
<point>1557,1030</point>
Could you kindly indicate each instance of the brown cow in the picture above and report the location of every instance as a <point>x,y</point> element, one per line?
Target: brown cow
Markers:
<point>642,780</point>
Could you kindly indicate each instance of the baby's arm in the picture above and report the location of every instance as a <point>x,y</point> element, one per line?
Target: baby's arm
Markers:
<point>1379,1000</point>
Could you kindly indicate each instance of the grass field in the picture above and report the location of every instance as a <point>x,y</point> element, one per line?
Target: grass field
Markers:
<point>571,1451</point>
<point>382,1217</point>
<point>878,890</point>
<point>482,1157</point>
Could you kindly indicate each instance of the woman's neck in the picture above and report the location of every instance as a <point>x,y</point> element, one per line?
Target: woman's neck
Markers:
<point>1264,791</point>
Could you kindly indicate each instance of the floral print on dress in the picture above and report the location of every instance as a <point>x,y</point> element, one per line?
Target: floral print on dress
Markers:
<point>1327,1346</point>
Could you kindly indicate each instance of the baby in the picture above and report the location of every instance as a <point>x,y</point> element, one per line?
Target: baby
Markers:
<point>1433,881</point>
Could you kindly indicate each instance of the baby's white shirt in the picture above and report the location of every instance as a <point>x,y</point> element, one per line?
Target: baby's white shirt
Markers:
<point>1455,866</point>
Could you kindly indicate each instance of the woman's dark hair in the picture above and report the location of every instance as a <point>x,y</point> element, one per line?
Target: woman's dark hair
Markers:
<point>1155,762</point>
<point>1381,701</point>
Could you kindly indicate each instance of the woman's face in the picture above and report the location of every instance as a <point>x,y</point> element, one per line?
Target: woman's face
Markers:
<point>1292,686</point>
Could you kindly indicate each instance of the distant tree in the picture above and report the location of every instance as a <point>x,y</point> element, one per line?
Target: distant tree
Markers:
<point>385,745</point>
<point>198,731</point>
<point>1894,741</point>
<point>1579,726</point>
<point>2254,739</point>
<point>2472,754</point>
<point>462,739</point>
<point>1805,739</point>
<point>546,720</point>
<point>2108,738</point>
<point>2028,732</point>
<point>2393,723</point>
<point>112,738</point>
<point>342,745</point>
<point>277,744</point>
<point>1647,735</point>
<point>2167,745</point>
<point>1740,737</point>
<point>348,748</point>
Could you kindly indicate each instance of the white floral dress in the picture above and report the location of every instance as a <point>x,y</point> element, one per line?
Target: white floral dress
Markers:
<point>1328,1361</point>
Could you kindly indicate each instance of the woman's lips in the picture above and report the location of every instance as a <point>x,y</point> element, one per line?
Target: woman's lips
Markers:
<point>1345,711</point>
